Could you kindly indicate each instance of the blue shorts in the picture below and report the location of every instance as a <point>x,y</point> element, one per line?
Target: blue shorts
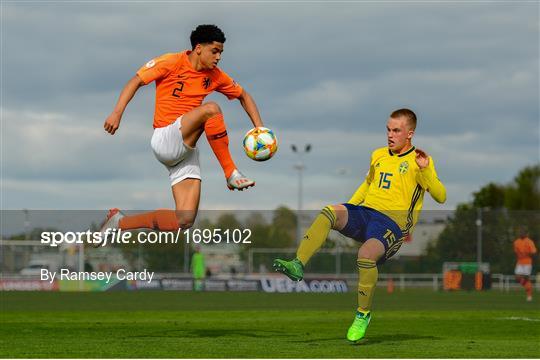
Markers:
<point>365,223</point>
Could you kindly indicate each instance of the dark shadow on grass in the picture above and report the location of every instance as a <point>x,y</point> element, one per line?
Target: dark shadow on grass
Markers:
<point>390,338</point>
<point>213,333</point>
<point>372,340</point>
<point>318,340</point>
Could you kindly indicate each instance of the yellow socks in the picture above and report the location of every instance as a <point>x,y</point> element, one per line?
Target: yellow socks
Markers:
<point>367,278</point>
<point>316,234</point>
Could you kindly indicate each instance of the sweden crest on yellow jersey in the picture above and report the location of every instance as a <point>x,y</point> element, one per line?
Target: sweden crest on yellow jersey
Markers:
<point>403,167</point>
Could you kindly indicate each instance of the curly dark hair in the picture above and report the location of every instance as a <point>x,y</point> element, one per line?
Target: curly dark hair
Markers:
<point>204,34</point>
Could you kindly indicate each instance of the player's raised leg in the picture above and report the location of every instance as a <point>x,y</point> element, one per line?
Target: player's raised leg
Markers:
<point>208,118</point>
<point>368,254</point>
<point>186,195</point>
<point>331,217</point>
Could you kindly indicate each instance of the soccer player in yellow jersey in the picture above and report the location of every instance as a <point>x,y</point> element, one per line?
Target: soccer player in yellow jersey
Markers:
<point>380,214</point>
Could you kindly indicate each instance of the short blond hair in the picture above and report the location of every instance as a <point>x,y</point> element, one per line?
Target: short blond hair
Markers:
<point>407,114</point>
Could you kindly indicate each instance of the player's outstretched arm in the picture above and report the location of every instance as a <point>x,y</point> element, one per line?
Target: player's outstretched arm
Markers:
<point>427,177</point>
<point>251,108</point>
<point>113,120</point>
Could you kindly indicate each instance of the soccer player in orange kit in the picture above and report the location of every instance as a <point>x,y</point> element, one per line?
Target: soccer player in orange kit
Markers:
<point>524,249</point>
<point>183,80</point>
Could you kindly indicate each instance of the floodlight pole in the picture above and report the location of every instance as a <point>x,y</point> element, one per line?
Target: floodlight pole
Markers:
<point>300,167</point>
<point>26,224</point>
<point>479,237</point>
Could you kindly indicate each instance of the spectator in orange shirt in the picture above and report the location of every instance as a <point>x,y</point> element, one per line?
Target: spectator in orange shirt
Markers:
<point>183,80</point>
<point>524,249</point>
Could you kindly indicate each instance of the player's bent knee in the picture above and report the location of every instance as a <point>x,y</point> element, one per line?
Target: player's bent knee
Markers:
<point>372,249</point>
<point>186,225</point>
<point>342,216</point>
<point>211,108</point>
<point>368,255</point>
<point>185,218</point>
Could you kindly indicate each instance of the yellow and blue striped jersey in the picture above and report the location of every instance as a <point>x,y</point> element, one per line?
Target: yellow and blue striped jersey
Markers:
<point>395,186</point>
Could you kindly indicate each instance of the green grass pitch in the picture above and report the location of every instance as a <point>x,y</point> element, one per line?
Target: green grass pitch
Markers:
<point>409,324</point>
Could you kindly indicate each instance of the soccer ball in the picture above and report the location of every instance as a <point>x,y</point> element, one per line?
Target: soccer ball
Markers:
<point>260,144</point>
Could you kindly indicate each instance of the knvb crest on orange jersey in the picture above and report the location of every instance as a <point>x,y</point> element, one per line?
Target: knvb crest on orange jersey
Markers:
<point>206,82</point>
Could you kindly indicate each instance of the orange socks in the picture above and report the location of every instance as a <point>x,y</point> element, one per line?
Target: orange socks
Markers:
<point>164,220</point>
<point>216,133</point>
<point>528,287</point>
<point>526,283</point>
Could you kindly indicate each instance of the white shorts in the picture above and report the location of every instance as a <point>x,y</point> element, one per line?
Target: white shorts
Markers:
<point>523,270</point>
<point>169,148</point>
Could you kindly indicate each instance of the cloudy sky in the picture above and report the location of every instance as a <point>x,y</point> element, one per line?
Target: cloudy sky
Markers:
<point>326,74</point>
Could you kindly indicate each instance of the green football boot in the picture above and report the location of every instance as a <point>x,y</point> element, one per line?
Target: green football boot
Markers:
<point>359,326</point>
<point>293,269</point>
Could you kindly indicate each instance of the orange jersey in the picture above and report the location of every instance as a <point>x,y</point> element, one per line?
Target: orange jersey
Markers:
<point>524,248</point>
<point>180,88</point>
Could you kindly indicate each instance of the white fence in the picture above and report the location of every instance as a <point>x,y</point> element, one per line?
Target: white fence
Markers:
<point>15,255</point>
<point>435,281</point>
